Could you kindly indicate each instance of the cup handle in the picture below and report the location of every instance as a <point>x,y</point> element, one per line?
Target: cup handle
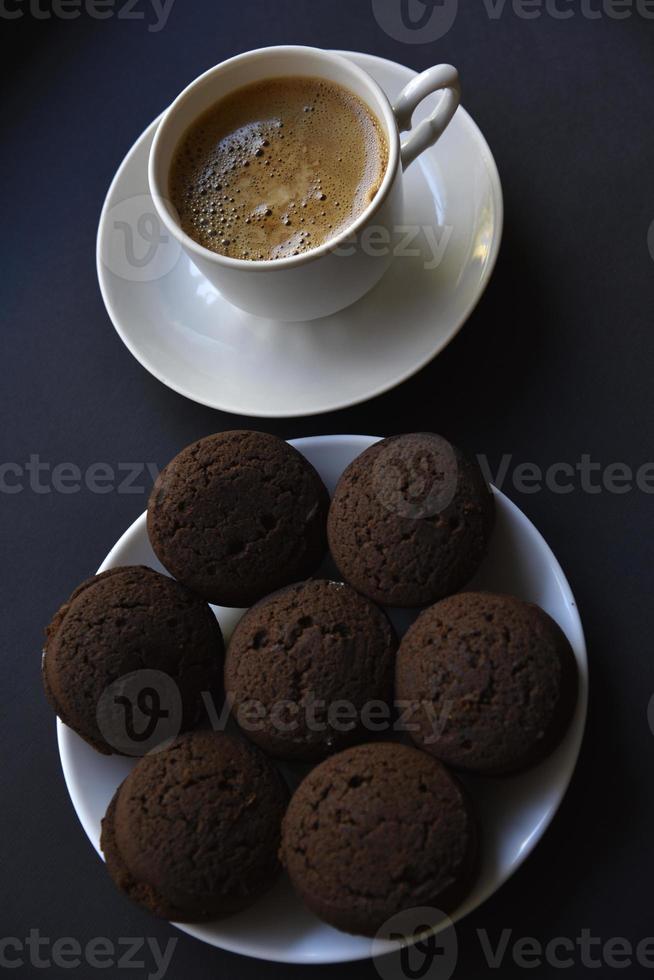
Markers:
<point>443,78</point>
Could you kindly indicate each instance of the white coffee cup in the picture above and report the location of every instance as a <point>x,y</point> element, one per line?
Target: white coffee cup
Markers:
<point>330,277</point>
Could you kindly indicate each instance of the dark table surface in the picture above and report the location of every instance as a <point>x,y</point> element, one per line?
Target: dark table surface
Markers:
<point>555,364</point>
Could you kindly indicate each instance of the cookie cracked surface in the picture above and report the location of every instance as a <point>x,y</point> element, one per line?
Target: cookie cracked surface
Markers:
<point>300,652</point>
<point>193,833</point>
<point>410,520</point>
<point>376,830</point>
<point>238,515</point>
<point>125,621</point>
<point>492,681</point>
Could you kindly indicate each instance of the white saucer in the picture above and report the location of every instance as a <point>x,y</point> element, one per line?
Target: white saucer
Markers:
<point>515,812</point>
<point>182,330</point>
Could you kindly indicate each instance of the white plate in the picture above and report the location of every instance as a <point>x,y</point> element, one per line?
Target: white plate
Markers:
<point>514,811</point>
<point>182,330</point>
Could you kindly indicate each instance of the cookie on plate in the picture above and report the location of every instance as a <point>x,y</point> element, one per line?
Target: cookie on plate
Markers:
<point>376,830</point>
<point>193,833</point>
<point>310,658</point>
<point>491,681</point>
<point>128,658</point>
<point>237,515</point>
<point>410,520</point>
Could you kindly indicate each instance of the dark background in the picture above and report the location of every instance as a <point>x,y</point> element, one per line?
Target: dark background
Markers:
<point>556,362</point>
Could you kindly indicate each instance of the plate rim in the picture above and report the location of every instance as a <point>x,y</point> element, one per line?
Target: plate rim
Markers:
<point>578,643</point>
<point>138,354</point>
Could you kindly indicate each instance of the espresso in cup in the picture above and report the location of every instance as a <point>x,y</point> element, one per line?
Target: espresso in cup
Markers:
<point>277,168</point>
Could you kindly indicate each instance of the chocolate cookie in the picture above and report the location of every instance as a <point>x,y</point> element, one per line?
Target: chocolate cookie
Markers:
<point>410,520</point>
<point>128,657</point>
<point>193,832</point>
<point>237,515</point>
<point>376,830</point>
<point>303,665</point>
<point>491,680</point>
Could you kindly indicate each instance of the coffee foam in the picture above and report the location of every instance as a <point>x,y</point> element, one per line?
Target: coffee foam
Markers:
<point>277,168</point>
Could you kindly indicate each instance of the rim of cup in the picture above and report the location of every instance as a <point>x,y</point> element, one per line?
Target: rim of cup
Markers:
<point>160,195</point>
